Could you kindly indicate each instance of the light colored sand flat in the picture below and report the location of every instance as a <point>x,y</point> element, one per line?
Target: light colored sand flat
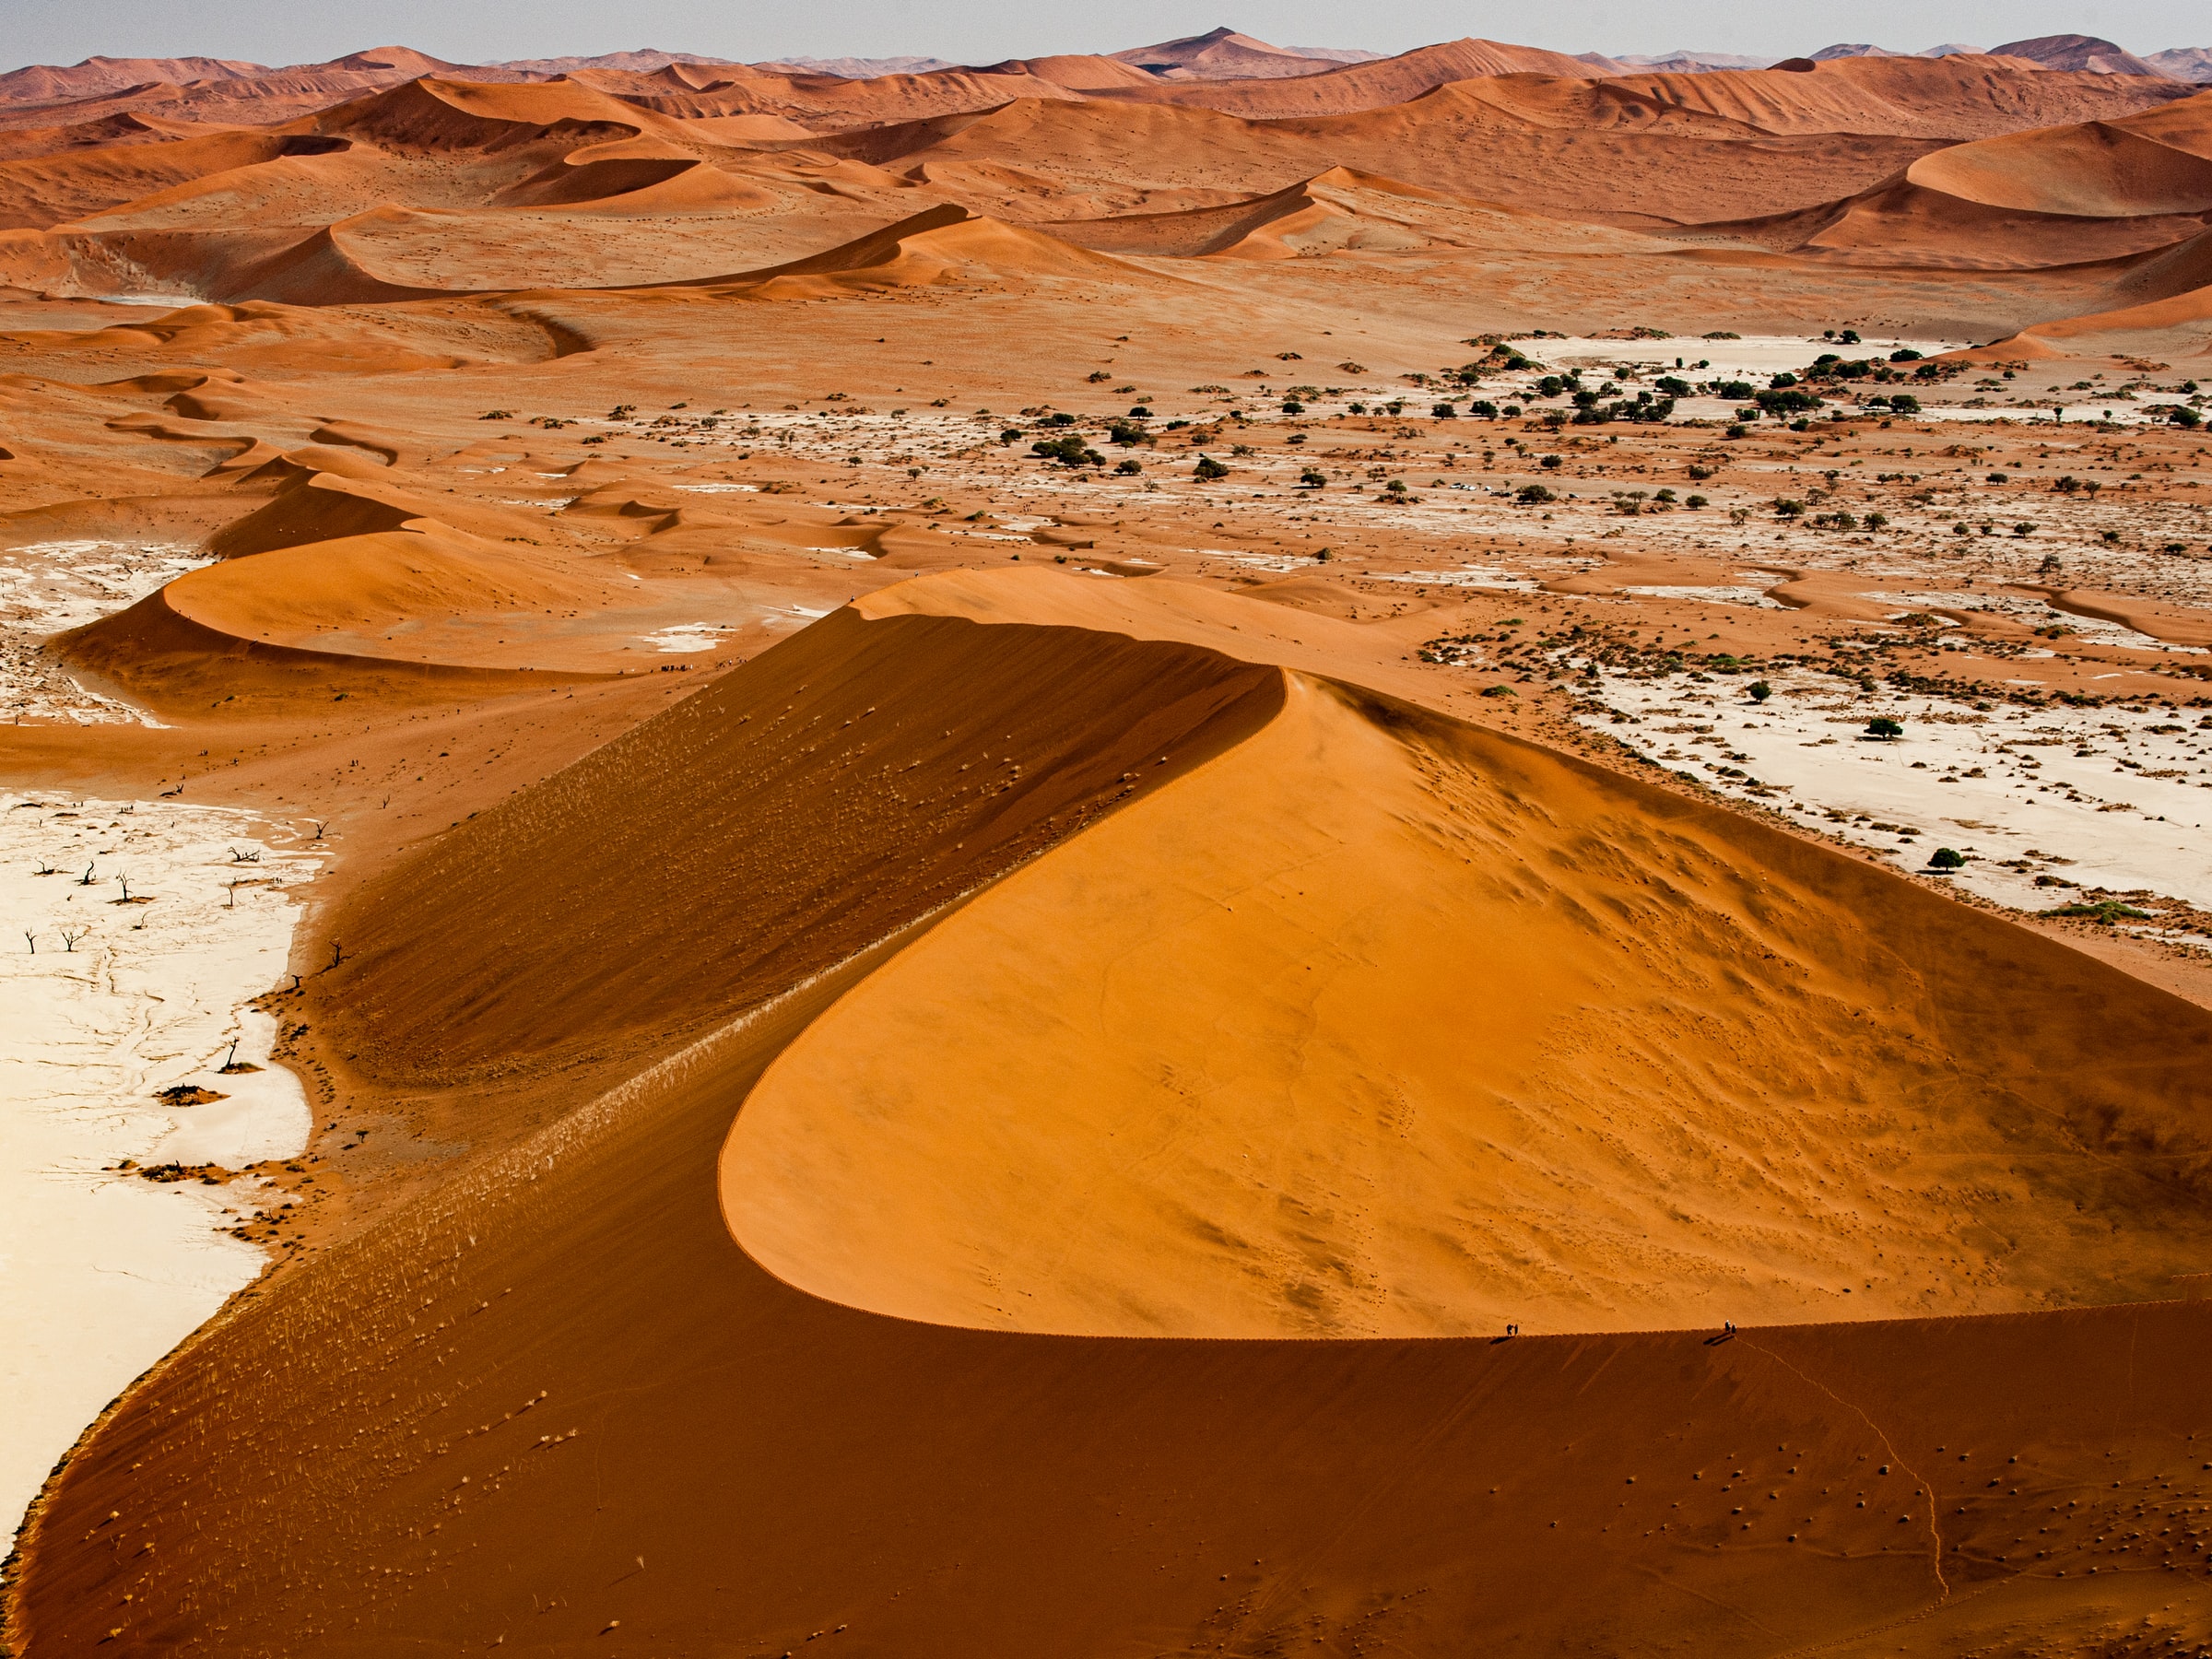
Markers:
<point>102,1272</point>
<point>2093,797</point>
<point>48,586</point>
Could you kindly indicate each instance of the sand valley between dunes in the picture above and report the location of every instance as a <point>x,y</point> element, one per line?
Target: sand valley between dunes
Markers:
<point>1203,852</point>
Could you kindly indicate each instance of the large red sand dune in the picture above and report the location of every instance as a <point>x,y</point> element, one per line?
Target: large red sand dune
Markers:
<point>557,1406</point>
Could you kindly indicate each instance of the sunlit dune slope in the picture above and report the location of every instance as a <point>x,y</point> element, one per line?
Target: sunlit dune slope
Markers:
<point>554,1407</point>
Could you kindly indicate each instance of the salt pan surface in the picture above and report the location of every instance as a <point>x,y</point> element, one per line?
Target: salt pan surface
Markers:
<point>2088,797</point>
<point>49,587</point>
<point>102,1272</point>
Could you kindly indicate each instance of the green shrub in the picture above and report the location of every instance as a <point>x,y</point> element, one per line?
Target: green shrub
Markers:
<point>1070,451</point>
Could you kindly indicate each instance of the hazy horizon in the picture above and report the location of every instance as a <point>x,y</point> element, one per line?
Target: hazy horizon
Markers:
<point>982,30</point>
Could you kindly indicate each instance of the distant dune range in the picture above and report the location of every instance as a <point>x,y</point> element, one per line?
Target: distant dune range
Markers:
<point>575,1305</point>
<point>436,187</point>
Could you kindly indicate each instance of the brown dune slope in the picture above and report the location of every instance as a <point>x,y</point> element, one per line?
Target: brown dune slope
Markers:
<point>555,1408</point>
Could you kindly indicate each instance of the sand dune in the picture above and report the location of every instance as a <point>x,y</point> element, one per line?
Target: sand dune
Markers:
<point>41,193</point>
<point>1220,53</point>
<point>1338,211</point>
<point>2055,195</point>
<point>2098,170</point>
<point>578,1305</point>
<point>1347,87</point>
<point>1477,139</point>
<point>1964,96</point>
<point>1591,1135</point>
<point>938,246</point>
<point>913,829</point>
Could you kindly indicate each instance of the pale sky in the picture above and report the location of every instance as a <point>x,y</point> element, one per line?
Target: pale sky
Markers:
<point>288,31</point>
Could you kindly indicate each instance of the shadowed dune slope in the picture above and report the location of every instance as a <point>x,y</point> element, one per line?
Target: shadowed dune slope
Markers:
<point>555,1408</point>
<point>793,812</point>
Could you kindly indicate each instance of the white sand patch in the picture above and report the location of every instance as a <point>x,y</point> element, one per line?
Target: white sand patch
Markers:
<point>49,587</point>
<point>1754,597</point>
<point>102,1274</point>
<point>1761,355</point>
<point>1469,576</point>
<point>2036,612</point>
<point>1281,563</point>
<point>688,636</point>
<point>2096,798</point>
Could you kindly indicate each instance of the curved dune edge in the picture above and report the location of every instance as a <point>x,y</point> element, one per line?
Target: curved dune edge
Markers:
<point>173,663</point>
<point>469,1425</point>
<point>1380,1025</point>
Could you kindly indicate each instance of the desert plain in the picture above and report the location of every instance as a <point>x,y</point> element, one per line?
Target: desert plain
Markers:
<point>1202,851</point>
